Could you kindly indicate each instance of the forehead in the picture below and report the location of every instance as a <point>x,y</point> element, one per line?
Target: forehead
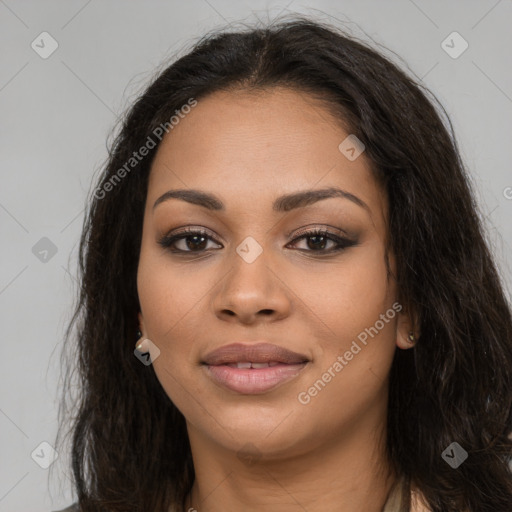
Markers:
<point>253,146</point>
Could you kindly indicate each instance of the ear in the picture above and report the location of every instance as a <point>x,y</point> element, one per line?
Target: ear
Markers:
<point>407,332</point>
<point>141,343</point>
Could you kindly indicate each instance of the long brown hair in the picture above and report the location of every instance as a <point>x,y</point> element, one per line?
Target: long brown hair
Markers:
<point>130,449</point>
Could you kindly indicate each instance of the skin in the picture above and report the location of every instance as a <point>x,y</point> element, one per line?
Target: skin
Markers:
<point>248,149</point>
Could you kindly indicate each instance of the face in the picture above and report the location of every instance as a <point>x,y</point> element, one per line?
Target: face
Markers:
<point>264,262</point>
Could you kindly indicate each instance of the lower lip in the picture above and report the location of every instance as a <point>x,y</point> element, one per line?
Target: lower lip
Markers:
<point>253,380</point>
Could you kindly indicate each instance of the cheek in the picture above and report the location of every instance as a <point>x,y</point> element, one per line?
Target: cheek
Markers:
<point>169,293</point>
<point>172,298</point>
<point>350,378</point>
<point>349,295</point>
<point>354,303</point>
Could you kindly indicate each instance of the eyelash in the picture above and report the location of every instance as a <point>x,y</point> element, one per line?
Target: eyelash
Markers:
<point>342,243</point>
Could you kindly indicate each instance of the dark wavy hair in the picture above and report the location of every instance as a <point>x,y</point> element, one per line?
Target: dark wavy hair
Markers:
<point>130,449</point>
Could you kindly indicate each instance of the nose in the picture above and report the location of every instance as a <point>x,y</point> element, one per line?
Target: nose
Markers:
<point>252,292</point>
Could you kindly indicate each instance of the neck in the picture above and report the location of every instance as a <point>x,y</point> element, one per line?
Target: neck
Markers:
<point>348,475</point>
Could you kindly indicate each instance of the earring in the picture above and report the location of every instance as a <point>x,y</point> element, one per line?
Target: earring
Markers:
<point>139,345</point>
<point>411,338</point>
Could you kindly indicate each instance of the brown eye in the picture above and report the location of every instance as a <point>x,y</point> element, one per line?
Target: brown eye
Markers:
<point>196,241</point>
<point>317,240</point>
<point>193,241</point>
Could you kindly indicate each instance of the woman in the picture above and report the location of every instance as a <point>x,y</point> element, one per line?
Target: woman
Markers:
<point>286,223</point>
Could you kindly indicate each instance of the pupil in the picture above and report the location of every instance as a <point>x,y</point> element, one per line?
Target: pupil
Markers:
<point>317,237</point>
<point>192,246</point>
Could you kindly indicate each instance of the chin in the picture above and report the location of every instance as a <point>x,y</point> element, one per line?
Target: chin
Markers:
<point>273,431</point>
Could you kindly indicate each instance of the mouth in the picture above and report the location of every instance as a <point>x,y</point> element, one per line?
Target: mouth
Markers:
<point>253,369</point>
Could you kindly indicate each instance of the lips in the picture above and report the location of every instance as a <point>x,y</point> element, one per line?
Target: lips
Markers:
<point>258,353</point>
<point>253,369</point>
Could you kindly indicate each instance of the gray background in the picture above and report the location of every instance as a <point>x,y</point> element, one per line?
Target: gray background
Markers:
<point>56,114</point>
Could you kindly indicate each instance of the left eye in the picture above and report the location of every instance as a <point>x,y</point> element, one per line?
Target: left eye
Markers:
<point>196,241</point>
<point>319,238</point>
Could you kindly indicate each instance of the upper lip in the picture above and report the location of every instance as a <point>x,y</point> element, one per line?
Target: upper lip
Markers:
<point>255,353</point>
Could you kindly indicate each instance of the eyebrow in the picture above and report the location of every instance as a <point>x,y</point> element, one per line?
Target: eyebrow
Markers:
<point>283,203</point>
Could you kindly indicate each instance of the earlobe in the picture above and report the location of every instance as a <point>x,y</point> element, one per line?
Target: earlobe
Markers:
<point>140,343</point>
<point>406,341</point>
<point>407,336</point>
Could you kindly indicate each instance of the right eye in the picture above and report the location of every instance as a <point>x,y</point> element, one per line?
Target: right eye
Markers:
<point>195,240</point>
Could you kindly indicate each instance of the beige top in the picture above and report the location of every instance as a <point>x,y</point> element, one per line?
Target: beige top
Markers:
<point>394,501</point>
